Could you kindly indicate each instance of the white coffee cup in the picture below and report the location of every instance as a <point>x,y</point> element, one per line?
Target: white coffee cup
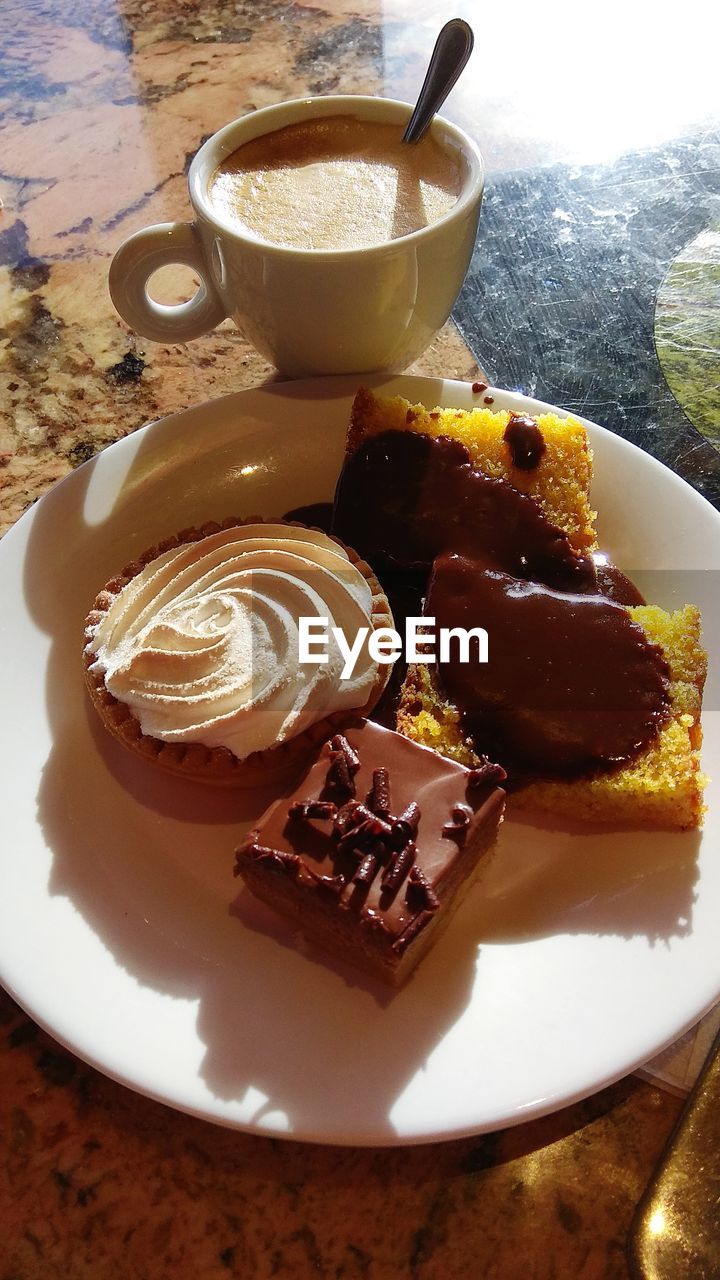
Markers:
<point>310,311</point>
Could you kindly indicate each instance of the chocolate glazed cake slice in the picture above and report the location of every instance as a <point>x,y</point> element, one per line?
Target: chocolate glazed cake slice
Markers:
<point>592,703</point>
<point>371,853</point>
<point>407,494</point>
<point>572,685</point>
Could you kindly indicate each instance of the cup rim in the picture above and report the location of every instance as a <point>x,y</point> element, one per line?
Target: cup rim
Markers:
<point>222,143</point>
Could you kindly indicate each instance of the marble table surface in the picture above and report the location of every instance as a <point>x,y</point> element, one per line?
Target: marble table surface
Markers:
<point>103,105</point>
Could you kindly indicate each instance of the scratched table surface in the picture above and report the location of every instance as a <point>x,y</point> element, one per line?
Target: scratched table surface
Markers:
<point>602,153</point>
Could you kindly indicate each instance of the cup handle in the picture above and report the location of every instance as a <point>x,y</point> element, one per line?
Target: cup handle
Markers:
<point>131,268</point>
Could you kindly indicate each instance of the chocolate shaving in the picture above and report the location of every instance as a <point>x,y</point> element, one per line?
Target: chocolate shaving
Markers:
<point>461,815</point>
<point>333,884</point>
<point>338,775</point>
<point>398,867</point>
<point>353,844</point>
<point>420,893</point>
<point>377,826</point>
<point>340,743</point>
<point>370,832</point>
<point>288,863</point>
<point>244,847</point>
<point>486,772</point>
<point>346,819</point>
<point>411,816</point>
<point>405,828</point>
<point>411,931</point>
<point>361,813</point>
<point>381,801</point>
<point>367,870</point>
<point>354,816</point>
<point>305,809</point>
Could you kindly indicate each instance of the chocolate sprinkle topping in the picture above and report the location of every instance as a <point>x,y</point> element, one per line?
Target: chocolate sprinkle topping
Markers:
<point>411,931</point>
<point>398,867</point>
<point>381,801</point>
<point>245,846</point>
<point>333,884</point>
<point>288,863</point>
<point>338,775</point>
<point>405,827</point>
<point>366,862</point>
<point>358,815</point>
<point>484,773</point>
<point>367,870</point>
<point>377,826</point>
<point>347,818</point>
<point>370,832</point>
<point>420,892</point>
<point>411,817</point>
<point>461,815</point>
<point>354,843</point>
<point>340,743</point>
<point>305,809</point>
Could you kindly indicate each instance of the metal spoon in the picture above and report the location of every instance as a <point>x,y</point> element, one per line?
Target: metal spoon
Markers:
<point>675,1232</point>
<point>452,50</point>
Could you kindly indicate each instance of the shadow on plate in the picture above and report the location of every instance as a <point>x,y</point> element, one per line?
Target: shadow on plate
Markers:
<point>147,861</point>
<point>563,877</point>
<point>149,867</point>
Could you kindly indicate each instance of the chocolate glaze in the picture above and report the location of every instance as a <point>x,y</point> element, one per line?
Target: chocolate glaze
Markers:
<point>525,440</point>
<point>424,786</point>
<point>317,515</point>
<point>572,685</point>
<point>403,498</point>
<point>613,583</point>
<point>405,591</point>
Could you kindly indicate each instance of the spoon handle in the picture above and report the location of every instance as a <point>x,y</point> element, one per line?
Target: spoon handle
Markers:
<point>675,1230</point>
<point>452,50</point>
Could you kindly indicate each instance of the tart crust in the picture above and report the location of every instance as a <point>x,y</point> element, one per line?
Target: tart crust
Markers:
<point>218,765</point>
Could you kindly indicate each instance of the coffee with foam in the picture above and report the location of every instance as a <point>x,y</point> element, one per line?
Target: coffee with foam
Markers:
<point>335,182</point>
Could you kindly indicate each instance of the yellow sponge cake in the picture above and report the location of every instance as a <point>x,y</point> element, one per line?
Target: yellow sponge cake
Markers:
<point>663,787</point>
<point>495,506</point>
<point>559,483</point>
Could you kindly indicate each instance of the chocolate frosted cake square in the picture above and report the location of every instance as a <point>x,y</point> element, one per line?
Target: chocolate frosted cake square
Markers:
<point>375,847</point>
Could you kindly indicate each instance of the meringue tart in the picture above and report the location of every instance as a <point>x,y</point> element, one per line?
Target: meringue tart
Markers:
<point>191,652</point>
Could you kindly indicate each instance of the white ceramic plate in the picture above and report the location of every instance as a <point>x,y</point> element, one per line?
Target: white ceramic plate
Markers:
<point>578,957</point>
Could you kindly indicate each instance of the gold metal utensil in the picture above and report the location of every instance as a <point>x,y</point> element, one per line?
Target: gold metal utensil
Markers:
<point>675,1234</point>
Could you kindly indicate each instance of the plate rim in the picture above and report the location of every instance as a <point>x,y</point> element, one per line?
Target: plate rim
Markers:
<point>344,386</point>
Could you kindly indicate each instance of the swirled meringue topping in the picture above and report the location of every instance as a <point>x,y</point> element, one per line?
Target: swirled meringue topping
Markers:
<point>203,643</point>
